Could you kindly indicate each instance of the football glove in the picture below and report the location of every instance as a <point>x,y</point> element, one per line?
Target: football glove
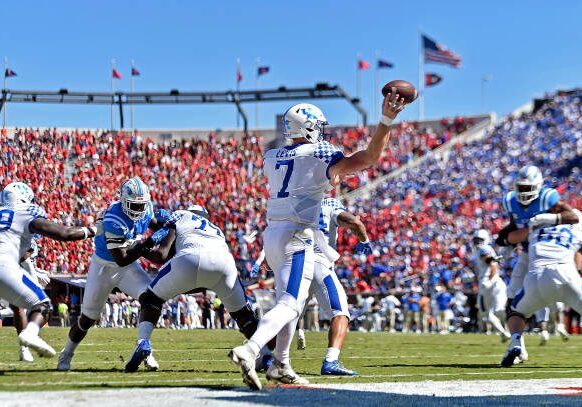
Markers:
<point>161,216</point>
<point>156,238</point>
<point>172,220</point>
<point>364,247</point>
<point>543,219</point>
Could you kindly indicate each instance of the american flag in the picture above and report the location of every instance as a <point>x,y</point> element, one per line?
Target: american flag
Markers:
<point>439,54</point>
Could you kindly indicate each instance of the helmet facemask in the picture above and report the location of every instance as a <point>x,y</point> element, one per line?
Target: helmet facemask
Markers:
<point>304,121</point>
<point>527,192</point>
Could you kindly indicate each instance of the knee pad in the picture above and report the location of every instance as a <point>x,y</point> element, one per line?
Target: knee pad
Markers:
<point>44,308</point>
<point>150,301</point>
<point>246,320</point>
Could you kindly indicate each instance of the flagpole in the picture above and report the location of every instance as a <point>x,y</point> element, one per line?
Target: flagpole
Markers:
<point>237,91</point>
<point>132,91</point>
<point>376,85</point>
<point>420,78</point>
<point>358,85</point>
<point>112,90</point>
<point>4,93</point>
<point>258,60</point>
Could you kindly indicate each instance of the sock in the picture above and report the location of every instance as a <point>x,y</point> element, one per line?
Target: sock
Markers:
<point>270,324</point>
<point>516,339</point>
<point>301,333</point>
<point>144,330</point>
<point>332,354</point>
<point>284,339</point>
<point>70,346</point>
<point>33,328</point>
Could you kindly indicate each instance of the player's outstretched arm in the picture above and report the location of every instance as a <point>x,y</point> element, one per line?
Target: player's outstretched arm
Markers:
<point>559,214</point>
<point>392,105</point>
<point>56,231</point>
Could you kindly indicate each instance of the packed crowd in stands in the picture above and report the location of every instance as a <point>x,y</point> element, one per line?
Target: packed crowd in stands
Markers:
<point>420,223</point>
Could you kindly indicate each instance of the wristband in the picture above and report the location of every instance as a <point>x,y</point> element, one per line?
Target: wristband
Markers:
<point>385,120</point>
<point>559,219</point>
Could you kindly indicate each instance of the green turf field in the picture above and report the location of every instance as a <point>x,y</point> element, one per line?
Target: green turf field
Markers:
<point>190,358</point>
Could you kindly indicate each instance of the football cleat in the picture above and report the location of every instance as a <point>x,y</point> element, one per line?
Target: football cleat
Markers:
<point>280,373</point>
<point>561,330</point>
<point>151,363</point>
<point>510,357</point>
<point>336,368</point>
<point>244,358</point>
<point>25,355</point>
<point>37,344</point>
<point>64,363</point>
<point>142,351</point>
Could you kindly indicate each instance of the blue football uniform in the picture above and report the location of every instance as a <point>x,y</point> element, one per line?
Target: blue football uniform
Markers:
<point>116,230</point>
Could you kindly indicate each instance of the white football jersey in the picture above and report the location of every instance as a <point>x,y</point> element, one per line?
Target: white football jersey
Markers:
<point>298,180</point>
<point>328,224</point>
<point>194,231</point>
<point>482,252</point>
<point>554,244</point>
<point>15,238</point>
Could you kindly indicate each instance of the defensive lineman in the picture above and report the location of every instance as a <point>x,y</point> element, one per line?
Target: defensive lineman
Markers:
<point>298,176</point>
<point>118,245</point>
<point>20,219</point>
<point>202,260</point>
<point>492,290</point>
<point>552,276</point>
<point>532,205</point>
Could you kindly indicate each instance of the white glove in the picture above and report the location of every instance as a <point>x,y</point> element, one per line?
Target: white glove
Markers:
<point>43,277</point>
<point>543,219</point>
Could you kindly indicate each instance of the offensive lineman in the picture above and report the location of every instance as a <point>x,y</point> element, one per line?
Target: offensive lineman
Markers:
<point>552,276</point>
<point>530,204</point>
<point>200,258</point>
<point>298,175</point>
<point>119,244</point>
<point>492,290</point>
<point>20,219</point>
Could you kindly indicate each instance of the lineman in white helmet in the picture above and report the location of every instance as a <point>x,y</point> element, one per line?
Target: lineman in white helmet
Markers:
<point>492,296</point>
<point>299,175</point>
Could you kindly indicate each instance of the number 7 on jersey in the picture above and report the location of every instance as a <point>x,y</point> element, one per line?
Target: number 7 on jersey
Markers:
<point>283,193</point>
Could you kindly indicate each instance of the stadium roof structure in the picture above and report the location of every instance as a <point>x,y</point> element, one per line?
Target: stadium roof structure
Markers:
<point>175,96</point>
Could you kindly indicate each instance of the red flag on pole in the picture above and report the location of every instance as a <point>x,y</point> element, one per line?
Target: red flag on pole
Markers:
<point>115,74</point>
<point>363,65</point>
<point>431,79</point>
<point>239,76</point>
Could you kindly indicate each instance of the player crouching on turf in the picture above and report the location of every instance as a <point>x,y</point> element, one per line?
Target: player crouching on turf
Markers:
<point>118,246</point>
<point>200,259</point>
<point>20,219</point>
<point>298,177</point>
<point>552,275</point>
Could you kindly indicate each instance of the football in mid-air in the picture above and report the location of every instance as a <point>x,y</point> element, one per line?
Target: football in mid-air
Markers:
<point>405,89</point>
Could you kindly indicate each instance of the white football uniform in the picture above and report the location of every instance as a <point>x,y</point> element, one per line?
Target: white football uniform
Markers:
<point>202,260</point>
<point>552,274</point>
<point>16,285</point>
<point>492,294</point>
<point>298,179</point>
<point>330,294</point>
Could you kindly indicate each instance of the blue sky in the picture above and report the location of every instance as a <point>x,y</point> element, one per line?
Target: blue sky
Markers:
<point>528,48</point>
